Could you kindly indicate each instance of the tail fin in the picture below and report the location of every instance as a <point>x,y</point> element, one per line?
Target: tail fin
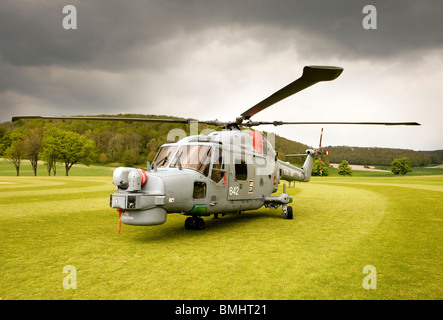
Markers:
<point>309,163</point>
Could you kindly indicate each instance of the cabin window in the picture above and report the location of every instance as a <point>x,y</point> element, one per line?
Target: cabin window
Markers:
<point>217,166</point>
<point>199,190</point>
<point>194,157</point>
<point>241,170</point>
<point>164,156</point>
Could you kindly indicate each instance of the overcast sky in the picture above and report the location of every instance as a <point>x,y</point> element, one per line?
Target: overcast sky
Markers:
<point>213,59</point>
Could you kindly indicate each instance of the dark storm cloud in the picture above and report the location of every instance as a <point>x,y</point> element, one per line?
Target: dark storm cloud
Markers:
<point>111,33</point>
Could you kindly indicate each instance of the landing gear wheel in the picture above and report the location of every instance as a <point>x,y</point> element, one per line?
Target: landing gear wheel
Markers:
<point>189,223</point>
<point>289,214</point>
<point>194,223</point>
<point>199,224</point>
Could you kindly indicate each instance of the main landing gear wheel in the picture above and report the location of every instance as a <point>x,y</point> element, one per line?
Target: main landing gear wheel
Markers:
<point>194,223</point>
<point>199,224</point>
<point>189,223</point>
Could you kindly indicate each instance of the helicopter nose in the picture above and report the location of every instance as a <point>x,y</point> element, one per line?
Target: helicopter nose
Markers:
<point>137,205</point>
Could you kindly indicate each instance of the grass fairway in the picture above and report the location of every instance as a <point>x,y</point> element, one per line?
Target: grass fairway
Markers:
<point>340,226</point>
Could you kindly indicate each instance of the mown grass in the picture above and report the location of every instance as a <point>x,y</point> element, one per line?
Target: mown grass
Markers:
<point>340,226</point>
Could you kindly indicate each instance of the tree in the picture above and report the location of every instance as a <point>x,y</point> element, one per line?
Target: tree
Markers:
<point>14,154</point>
<point>400,166</point>
<point>75,148</point>
<point>435,159</point>
<point>316,169</point>
<point>129,158</point>
<point>51,147</point>
<point>69,147</point>
<point>344,169</point>
<point>32,145</point>
<point>102,158</point>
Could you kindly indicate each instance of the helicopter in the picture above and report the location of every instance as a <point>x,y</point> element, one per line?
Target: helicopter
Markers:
<point>228,171</point>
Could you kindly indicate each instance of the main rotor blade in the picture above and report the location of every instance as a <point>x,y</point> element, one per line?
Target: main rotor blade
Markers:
<point>310,76</point>
<point>86,118</point>
<point>102,119</point>
<point>279,123</point>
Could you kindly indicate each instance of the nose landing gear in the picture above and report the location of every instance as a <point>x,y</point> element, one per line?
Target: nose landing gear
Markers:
<point>289,213</point>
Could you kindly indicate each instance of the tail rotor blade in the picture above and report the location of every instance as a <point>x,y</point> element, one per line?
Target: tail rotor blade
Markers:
<point>320,152</point>
<point>321,136</point>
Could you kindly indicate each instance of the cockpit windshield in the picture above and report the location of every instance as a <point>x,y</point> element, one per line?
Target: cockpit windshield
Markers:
<point>164,156</point>
<point>195,157</point>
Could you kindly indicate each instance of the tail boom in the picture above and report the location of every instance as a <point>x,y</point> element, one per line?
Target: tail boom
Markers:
<point>290,172</point>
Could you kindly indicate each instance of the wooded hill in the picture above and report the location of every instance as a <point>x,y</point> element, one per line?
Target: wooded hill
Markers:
<point>382,156</point>
<point>135,143</point>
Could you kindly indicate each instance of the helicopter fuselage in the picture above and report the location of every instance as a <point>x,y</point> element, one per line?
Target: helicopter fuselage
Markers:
<point>224,172</point>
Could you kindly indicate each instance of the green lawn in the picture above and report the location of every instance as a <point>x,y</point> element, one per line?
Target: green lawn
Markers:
<point>341,225</point>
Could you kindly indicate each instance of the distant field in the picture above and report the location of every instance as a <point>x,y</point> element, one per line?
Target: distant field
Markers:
<point>341,225</point>
<point>6,169</point>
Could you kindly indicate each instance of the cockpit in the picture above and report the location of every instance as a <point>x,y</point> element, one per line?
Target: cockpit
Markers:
<point>196,157</point>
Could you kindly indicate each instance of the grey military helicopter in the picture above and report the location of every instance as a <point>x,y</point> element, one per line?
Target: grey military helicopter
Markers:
<point>228,171</point>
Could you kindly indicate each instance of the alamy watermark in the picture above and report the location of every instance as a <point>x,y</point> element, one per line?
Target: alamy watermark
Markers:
<point>370,20</point>
<point>70,20</point>
<point>370,281</point>
<point>240,148</point>
<point>70,281</point>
